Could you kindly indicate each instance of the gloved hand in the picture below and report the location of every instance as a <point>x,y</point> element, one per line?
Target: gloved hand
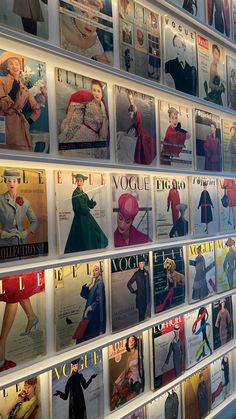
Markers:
<point>14,90</point>
<point>10,235</point>
<point>93,203</point>
<point>89,308</point>
<point>178,128</point>
<point>30,121</point>
<point>23,234</point>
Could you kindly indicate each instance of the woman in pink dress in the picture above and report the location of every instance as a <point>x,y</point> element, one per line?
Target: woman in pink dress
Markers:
<point>212,148</point>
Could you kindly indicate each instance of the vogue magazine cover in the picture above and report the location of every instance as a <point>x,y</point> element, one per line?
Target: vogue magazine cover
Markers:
<point>175,135</point>
<point>229,144</point>
<point>168,406</point>
<point>77,387</point>
<point>22,314</point>
<point>212,71</point>
<point>23,103</point>
<point>31,18</point>
<point>195,7</point>
<point>126,371</point>
<point>231,79</point>
<point>130,291</point>
<point>132,209</point>
<point>81,211</point>
<point>180,60</point>
<point>204,206</point>
<point>22,399</point>
<point>208,141</point>
<point>221,379</point>
<point>80,303</point>
<point>168,352</point>
<point>86,28</point>
<point>198,334</point>
<point>219,15</point>
<point>227,204</point>
<point>140,39</point>
<point>168,278</point>
<point>225,257</point>
<point>23,213</point>
<point>82,116</point>
<point>197,395</point>
<point>222,321</point>
<point>201,271</point>
<point>135,140</point>
<point>171,207</point>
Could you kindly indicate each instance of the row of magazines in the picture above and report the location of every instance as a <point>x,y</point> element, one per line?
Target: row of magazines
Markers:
<point>75,388</point>
<point>151,44</point>
<point>182,136</point>
<point>99,210</point>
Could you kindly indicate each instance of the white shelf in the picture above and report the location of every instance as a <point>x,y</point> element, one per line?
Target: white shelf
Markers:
<point>221,407</point>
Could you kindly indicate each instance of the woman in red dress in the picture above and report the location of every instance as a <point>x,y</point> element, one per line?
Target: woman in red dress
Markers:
<point>230,188</point>
<point>212,148</point>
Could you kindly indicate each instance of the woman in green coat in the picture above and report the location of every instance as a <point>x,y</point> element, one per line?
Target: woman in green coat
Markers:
<point>85,233</point>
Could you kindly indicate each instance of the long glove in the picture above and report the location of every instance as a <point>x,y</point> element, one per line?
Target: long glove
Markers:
<point>14,90</point>
<point>10,235</point>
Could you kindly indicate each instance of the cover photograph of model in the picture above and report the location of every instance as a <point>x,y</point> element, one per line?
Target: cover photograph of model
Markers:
<point>135,140</point>
<point>77,388</point>
<point>138,413</point>
<point>221,379</point>
<point>180,58</point>
<point>208,141</point>
<point>23,213</point>
<point>22,314</point>
<point>227,204</point>
<point>175,135</point>
<point>80,303</point>
<point>130,291</point>
<point>86,28</point>
<point>168,278</point>
<point>195,7</point>
<point>140,39</point>
<point>198,335</point>
<point>31,18</point>
<point>22,400</point>
<point>167,406</point>
<point>197,395</point>
<point>168,352</point>
<point>211,71</point>
<point>171,207</point>
<point>231,80</point>
<point>201,271</point>
<point>204,206</point>
<point>222,322</point>
<point>23,103</point>
<point>132,209</point>
<point>225,257</point>
<point>81,211</point>
<point>229,144</point>
<point>126,370</point>
<point>219,15</point>
<point>82,116</point>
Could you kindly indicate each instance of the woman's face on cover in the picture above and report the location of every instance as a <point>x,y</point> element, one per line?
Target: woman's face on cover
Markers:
<point>173,119</point>
<point>80,183</point>
<point>96,92</point>
<point>96,271</point>
<point>123,224</point>
<point>12,184</point>
<point>88,28</point>
<point>13,66</point>
<point>131,342</point>
<point>29,389</point>
<point>213,129</point>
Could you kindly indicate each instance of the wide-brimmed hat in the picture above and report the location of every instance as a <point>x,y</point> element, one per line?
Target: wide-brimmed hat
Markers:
<point>176,328</point>
<point>230,242</point>
<point>7,55</point>
<point>75,361</point>
<point>11,173</point>
<point>128,205</point>
<point>80,176</point>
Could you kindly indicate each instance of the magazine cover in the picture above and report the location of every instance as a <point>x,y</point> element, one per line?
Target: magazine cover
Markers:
<point>168,406</point>
<point>139,413</point>
<point>201,271</point>
<point>233,2</point>
<point>229,144</point>
<point>80,303</point>
<point>132,209</point>
<point>212,71</point>
<point>175,135</point>
<point>225,256</point>
<point>231,79</point>
<point>22,16</point>
<point>23,213</point>
<point>81,211</point>
<point>135,139</point>
<point>208,141</point>
<point>140,40</point>
<point>126,370</point>
<point>130,291</point>
<point>23,103</point>
<point>227,203</point>
<point>168,352</point>
<point>82,116</point>
<point>219,15</point>
<point>204,206</point>
<point>195,7</point>
<point>180,60</point>
<point>198,334</point>
<point>221,379</point>
<point>23,325</point>
<point>197,395</point>
<point>86,28</point>
<point>168,278</point>
<point>222,322</point>
<point>171,207</point>
<point>78,389</point>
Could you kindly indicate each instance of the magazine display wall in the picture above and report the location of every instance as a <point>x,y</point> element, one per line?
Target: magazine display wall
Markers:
<point>132,144</point>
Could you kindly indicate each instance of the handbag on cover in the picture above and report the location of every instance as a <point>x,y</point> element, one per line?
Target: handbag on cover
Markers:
<point>225,200</point>
<point>81,329</point>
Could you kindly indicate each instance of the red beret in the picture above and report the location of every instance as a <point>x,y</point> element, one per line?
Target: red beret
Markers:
<point>128,205</point>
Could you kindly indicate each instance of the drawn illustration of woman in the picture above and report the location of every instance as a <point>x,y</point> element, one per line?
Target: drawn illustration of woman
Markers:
<point>212,149</point>
<point>232,148</point>
<point>202,317</point>
<point>232,89</point>
<point>205,203</point>
<point>229,186</point>
<point>229,264</point>
<point>200,289</point>
<point>215,84</point>
<point>223,322</point>
<point>219,12</point>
